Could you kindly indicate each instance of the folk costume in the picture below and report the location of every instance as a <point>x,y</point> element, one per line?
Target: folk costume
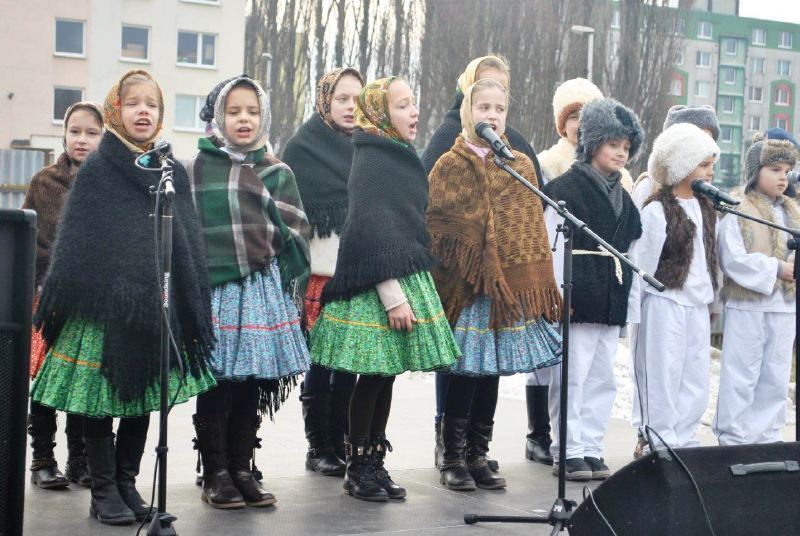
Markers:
<point>383,262</point>
<point>600,285</point>
<point>497,288</point>
<point>759,308</point>
<point>256,234</point>
<point>320,154</point>
<point>671,352</point>
<point>100,311</point>
<point>46,195</point>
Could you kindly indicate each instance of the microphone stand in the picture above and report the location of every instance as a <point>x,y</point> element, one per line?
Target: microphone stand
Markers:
<point>793,244</point>
<point>561,511</point>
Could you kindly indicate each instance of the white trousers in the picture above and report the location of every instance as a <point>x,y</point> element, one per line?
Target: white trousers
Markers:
<point>754,379</point>
<point>592,351</point>
<point>540,376</point>
<point>672,360</point>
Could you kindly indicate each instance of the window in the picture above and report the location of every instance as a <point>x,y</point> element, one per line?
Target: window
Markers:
<point>727,164</point>
<point>63,98</point>
<point>703,59</point>
<point>726,134</point>
<point>729,75</point>
<point>757,66</point>
<point>702,89</point>
<point>197,49</point>
<point>726,104</point>
<point>69,37</point>
<point>680,26</point>
<point>756,94</point>
<point>676,87</point>
<point>704,30</point>
<point>755,123</point>
<point>785,40</point>
<point>678,56</point>
<point>782,121</point>
<point>784,67</point>
<point>782,96</point>
<point>759,36</point>
<point>615,18</point>
<point>187,110</point>
<point>135,43</point>
<point>731,47</point>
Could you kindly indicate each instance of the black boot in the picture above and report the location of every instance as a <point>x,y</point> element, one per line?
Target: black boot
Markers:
<point>453,469</point>
<point>44,469</point>
<point>338,423</point>
<point>242,431</point>
<point>380,445</point>
<point>212,441</point>
<point>130,449</point>
<point>537,446</point>
<point>478,437</point>
<point>438,449</point>
<point>316,415</point>
<point>107,505</point>
<point>360,480</point>
<point>77,471</point>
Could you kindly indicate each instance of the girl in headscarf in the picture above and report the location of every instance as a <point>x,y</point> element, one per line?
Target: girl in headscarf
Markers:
<point>381,315</point>
<point>100,309</point>
<point>256,234</point>
<point>496,283</point>
<point>83,127</point>
<point>320,154</point>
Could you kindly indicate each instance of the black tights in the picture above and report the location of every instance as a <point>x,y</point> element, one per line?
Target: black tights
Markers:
<point>370,406</point>
<point>472,397</point>
<point>128,426</point>
<point>240,398</point>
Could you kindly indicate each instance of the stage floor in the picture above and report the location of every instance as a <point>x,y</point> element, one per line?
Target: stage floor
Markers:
<point>314,505</point>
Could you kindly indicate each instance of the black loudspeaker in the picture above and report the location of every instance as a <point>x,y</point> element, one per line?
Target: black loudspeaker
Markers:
<point>747,490</point>
<point>17,254</point>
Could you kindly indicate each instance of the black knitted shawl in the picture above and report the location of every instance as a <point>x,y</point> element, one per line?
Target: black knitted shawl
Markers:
<point>446,134</point>
<point>320,159</point>
<point>103,269</point>
<point>384,235</point>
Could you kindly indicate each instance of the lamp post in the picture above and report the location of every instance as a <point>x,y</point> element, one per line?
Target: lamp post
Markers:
<point>589,31</point>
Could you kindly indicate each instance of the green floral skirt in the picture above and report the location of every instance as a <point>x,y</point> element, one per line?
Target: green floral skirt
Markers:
<point>354,335</point>
<point>70,379</point>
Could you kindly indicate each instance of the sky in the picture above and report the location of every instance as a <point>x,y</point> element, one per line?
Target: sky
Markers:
<point>780,10</point>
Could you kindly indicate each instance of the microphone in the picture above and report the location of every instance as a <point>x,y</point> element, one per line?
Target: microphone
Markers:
<point>487,134</point>
<point>712,192</point>
<point>161,149</point>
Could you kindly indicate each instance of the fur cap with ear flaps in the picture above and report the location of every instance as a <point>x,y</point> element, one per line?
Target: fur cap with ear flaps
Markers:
<point>678,151</point>
<point>570,96</point>
<point>607,119</point>
<point>766,152</point>
<point>702,116</point>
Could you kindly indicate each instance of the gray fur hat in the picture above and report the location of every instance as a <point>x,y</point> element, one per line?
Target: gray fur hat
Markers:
<point>603,120</point>
<point>701,116</point>
<point>766,152</point>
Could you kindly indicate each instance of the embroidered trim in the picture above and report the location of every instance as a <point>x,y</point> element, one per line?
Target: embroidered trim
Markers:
<point>378,326</point>
<point>69,359</point>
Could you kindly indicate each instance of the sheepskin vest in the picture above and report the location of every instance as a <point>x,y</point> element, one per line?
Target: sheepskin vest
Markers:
<point>765,240</point>
<point>678,250</point>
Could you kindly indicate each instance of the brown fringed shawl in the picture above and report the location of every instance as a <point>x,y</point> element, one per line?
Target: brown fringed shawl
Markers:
<point>489,232</point>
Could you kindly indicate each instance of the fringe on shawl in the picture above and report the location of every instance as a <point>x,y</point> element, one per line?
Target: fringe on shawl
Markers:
<point>273,393</point>
<point>326,219</point>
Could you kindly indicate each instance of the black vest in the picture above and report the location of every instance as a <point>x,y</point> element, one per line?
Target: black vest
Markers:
<point>597,296</point>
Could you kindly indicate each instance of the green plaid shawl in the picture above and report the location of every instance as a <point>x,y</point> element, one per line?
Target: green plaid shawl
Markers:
<point>250,212</point>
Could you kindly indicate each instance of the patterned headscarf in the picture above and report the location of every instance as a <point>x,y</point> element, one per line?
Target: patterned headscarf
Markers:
<point>467,123</point>
<point>468,77</point>
<point>325,90</point>
<point>218,123</point>
<point>112,113</point>
<point>372,110</point>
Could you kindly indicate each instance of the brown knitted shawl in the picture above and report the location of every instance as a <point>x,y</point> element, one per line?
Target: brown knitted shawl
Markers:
<point>489,232</point>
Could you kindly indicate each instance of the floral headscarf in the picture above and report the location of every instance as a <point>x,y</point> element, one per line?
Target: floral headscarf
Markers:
<point>112,113</point>
<point>372,110</point>
<point>325,90</point>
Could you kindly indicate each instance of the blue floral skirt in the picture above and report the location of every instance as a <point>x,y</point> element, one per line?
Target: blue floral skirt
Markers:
<point>527,346</point>
<point>257,328</point>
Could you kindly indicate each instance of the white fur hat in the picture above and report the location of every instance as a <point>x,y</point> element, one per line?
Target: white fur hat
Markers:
<point>678,151</point>
<point>571,96</point>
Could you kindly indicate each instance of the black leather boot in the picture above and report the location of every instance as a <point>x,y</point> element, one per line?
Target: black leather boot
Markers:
<point>76,471</point>
<point>242,431</point>
<point>129,458</point>
<point>320,457</point>
<point>360,480</point>
<point>478,437</point>
<point>453,469</point>
<point>438,449</point>
<point>44,468</point>
<point>107,505</point>
<point>212,441</point>
<point>380,445</point>
<point>338,422</point>
<point>537,445</point>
